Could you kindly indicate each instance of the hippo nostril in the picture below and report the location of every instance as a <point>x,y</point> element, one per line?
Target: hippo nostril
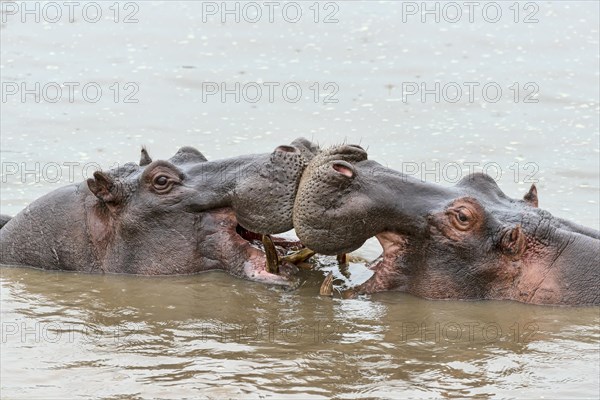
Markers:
<point>344,169</point>
<point>286,149</point>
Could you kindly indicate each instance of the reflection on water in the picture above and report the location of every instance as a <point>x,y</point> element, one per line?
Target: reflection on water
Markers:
<point>211,335</point>
<point>170,336</point>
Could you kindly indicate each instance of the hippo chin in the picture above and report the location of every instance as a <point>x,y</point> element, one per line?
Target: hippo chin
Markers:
<point>469,241</point>
<point>180,216</point>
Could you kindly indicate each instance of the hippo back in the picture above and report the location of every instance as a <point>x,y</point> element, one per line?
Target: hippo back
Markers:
<point>48,233</point>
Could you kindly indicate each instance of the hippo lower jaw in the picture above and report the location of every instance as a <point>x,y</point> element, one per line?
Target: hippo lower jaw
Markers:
<point>387,268</point>
<point>388,272</point>
<point>244,255</point>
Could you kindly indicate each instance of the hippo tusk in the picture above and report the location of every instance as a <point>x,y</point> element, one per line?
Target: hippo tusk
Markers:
<point>271,253</point>
<point>327,286</point>
<point>299,256</point>
<point>327,289</point>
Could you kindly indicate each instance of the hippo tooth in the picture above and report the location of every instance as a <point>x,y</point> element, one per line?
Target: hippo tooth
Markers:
<point>271,254</point>
<point>327,285</point>
<point>299,256</point>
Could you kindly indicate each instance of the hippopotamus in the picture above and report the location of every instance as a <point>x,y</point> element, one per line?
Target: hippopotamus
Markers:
<point>468,242</point>
<point>178,216</point>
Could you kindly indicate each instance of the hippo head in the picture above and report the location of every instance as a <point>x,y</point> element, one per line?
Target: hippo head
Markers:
<point>177,216</point>
<point>186,214</point>
<point>470,241</point>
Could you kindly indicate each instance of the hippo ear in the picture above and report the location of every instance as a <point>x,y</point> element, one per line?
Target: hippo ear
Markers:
<point>103,187</point>
<point>187,154</point>
<point>531,197</point>
<point>513,243</point>
<point>145,157</point>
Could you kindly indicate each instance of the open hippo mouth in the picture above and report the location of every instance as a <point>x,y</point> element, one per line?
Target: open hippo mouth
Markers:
<point>223,244</point>
<point>469,241</point>
<point>386,268</point>
<point>269,258</point>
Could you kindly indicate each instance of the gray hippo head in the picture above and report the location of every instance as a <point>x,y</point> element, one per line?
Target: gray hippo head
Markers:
<point>470,241</point>
<point>260,188</point>
<point>175,216</point>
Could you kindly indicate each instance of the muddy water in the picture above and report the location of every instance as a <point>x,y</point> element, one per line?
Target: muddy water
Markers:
<point>78,336</point>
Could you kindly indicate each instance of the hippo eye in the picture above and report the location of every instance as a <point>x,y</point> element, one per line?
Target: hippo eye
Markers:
<point>162,182</point>
<point>462,218</point>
